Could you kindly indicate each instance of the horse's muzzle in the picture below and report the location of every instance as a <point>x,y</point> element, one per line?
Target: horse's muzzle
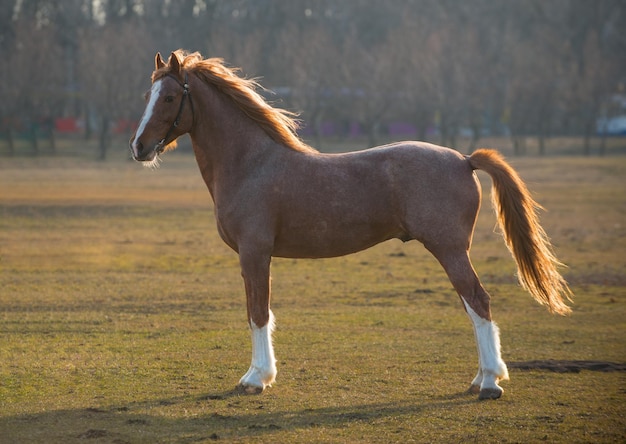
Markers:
<point>140,153</point>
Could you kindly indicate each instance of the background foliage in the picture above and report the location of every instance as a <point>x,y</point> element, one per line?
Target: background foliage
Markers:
<point>444,67</point>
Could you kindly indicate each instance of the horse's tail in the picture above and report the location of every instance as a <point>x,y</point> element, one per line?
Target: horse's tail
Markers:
<point>525,238</point>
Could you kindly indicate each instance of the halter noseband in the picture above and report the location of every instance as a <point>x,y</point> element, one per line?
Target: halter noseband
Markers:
<point>160,147</point>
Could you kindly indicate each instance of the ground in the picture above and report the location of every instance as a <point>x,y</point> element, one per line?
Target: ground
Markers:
<point>122,319</point>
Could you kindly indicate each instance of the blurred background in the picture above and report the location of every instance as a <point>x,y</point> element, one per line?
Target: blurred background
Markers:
<point>360,72</point>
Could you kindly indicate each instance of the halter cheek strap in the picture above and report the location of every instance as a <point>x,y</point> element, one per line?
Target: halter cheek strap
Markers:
<point>160,147</point>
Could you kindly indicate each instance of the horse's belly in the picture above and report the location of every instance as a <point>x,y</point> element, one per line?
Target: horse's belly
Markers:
<point>323,239</point>
<point>337,215</point>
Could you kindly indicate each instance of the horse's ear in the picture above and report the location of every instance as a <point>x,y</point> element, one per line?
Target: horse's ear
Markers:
<point>174,62</point>
<point>158,61</point>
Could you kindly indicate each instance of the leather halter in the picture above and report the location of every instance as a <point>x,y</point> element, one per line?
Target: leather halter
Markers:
<point>160,147</point>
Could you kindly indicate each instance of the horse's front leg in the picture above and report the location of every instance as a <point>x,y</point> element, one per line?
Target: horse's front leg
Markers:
<point>255,270</point>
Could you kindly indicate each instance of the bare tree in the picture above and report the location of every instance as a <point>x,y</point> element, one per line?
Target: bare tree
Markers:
<point>596,35</point>
<point>312,63</point>
<point>33,82</point>
<point>114,66</point>
<point>547,66</point>
<point>371,79</point>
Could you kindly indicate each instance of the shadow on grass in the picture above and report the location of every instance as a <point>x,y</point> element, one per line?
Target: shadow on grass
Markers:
<point>230,415</point>
<point>567,366</point>
<point>126,424</point>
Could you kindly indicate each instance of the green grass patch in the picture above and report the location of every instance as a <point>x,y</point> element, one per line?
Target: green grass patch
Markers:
<point>122,319</point>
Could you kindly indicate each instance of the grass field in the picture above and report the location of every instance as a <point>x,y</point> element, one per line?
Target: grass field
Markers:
<point>122,319</point>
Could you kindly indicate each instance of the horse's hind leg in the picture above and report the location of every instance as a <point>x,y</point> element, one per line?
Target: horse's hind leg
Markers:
<point>491,367</point>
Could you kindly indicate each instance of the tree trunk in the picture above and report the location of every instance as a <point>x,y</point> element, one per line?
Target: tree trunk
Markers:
<point>53,142</point>
<point>421,124</point>
<point>602,151</point>
<point>32,134</point>
<point>103,140</point>
<point>443,131</point>
<point>475,127</point>
<point>587,138</point>
<point>372,134</point>
<point>586,144</point>
<point>316,120</point>
<point>10,141</point>
<point>519,145</point>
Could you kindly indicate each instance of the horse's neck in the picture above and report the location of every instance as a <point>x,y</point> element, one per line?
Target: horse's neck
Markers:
<point>227,144</point>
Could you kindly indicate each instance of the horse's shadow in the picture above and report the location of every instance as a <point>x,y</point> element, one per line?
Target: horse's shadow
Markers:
<point>124,423</point>
<point>260,421</point>
<point>243,418</point>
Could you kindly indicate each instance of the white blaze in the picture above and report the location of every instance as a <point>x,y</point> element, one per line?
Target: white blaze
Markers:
<point>147,114</point>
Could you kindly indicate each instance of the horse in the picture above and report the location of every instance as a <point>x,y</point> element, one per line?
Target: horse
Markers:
<point>275,196</point>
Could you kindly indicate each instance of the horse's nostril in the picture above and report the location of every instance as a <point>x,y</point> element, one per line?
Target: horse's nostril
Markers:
<point>136,148</point>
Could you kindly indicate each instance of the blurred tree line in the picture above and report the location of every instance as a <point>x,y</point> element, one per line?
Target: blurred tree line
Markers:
<point>530,68</point>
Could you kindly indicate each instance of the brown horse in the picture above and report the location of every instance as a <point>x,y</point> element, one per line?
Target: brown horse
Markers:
<point>276,196</point>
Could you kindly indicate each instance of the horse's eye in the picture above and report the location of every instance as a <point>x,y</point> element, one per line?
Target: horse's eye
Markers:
<point>169,99</point>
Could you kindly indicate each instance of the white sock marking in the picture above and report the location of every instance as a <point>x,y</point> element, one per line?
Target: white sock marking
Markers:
<point>262,371</point>
<point>488,339</point>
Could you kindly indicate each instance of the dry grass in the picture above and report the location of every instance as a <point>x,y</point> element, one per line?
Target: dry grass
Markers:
<point>122,319</point>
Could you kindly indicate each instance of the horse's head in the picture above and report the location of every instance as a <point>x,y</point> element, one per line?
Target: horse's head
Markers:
<point>168,113</point>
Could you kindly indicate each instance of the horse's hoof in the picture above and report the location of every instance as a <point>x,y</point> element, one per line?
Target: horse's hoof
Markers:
<point>473,389</point>
<point>248,389</point>
<point>490,393</point>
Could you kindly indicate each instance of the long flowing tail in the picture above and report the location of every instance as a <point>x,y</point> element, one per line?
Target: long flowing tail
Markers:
<point>525,238</point>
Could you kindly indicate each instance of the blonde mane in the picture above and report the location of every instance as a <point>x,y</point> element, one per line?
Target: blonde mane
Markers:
<point>279,124</point>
